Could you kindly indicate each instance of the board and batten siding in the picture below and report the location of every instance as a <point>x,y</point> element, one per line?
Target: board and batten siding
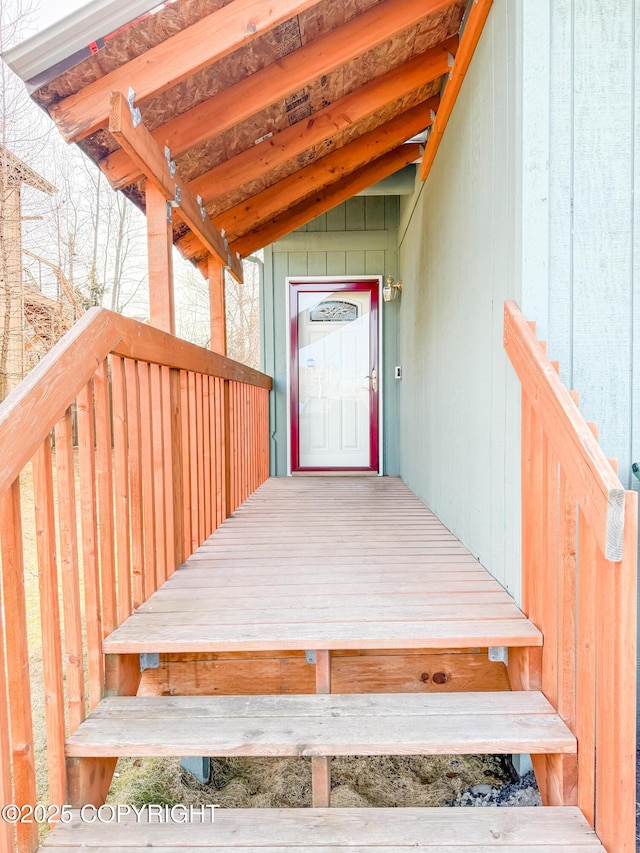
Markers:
<point>459,400</point>
<point>359,237</point>
<point>581,206</point>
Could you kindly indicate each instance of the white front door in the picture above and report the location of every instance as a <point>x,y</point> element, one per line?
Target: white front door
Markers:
<point>334,376</point>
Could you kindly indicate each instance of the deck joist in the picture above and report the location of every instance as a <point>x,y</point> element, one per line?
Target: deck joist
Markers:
<point>327,563</point>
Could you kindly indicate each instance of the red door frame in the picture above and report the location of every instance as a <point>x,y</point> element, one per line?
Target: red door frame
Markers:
<point>371,286</point>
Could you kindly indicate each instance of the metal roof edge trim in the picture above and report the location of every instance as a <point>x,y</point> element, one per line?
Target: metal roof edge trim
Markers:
<point>75,31</point>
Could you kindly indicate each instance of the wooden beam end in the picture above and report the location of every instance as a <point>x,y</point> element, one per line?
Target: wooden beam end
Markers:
<point>118,103</point>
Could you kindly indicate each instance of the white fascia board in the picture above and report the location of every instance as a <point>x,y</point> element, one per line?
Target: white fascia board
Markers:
<point>72,34</point>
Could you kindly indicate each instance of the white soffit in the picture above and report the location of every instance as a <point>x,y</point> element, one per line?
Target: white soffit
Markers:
<point>72,34</point>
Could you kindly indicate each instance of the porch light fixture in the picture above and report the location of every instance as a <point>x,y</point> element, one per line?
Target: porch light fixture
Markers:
<point>391,289</point>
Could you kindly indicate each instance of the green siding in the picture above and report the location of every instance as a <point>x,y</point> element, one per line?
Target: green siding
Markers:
<point>357,238</point>
<point>459,411</point>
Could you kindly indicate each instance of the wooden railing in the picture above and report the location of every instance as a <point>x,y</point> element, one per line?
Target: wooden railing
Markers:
<point>579,563</point>
<point>141,444</point>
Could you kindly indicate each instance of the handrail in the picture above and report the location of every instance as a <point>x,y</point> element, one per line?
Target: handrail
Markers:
<point>579,587</point>
<point>600,492</point>
<point>31,411</point>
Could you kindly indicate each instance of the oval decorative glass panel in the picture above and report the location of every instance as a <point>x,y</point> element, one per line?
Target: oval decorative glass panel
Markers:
<point>333,311</point>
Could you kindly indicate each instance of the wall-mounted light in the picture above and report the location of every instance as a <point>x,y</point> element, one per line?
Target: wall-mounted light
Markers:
<point>391,289</point>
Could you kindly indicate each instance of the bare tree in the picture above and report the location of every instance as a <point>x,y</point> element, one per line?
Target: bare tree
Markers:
<point>243,314</point>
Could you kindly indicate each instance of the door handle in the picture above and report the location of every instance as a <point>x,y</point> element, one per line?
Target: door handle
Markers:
<point>373,378</point>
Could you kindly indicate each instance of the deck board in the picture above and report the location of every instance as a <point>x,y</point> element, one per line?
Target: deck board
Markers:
<point>338,830</point>
<point>327,563</point>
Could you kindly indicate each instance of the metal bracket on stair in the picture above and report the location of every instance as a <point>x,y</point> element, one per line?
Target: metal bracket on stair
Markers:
<point>149,660</point>
<point>499,654</point>
<point>310,655</point>
<point>197,766</point>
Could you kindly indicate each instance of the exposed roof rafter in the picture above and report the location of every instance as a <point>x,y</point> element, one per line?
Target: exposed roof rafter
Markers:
<point>328,170</point>
<point>141,146</point>
<point>275,111</point>
<point>277,81</point>
<point>320,203</point>
<point>322,125</point>
<point>172,61</point>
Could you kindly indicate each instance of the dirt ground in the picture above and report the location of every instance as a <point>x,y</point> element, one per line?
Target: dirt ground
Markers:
<point>281,783</point>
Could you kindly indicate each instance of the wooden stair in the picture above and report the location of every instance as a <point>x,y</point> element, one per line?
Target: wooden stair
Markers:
<point>313,725</point>
<point>250,589</point>
<point>446,830</point>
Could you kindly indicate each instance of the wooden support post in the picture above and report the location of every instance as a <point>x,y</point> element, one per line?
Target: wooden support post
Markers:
<point>321,765</point>
<point>89,779</point>
<point>525,668</point>
<point>217,305</point>
<point>160,244</point>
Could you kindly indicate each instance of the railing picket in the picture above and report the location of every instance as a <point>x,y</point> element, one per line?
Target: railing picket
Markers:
<point>17,664</point>
<point>567,605</point>
<point>70,571</point>
<point>221,512</point>
<point>527,500</point>
<point>585,667</point>
<point>89,526</point>
<point>135,482</point>
<point>148,502</point>
<point>158,475</point>
<point>122,499</point>
<point>193,460</point>
<point>104,479</point>
<point>167,466</point>
<point>549,575</point>
<point>533,547</point>
<point>206,457</point>
<point>176,469</point>
<point>185,415</point>
<point>199,456</point>
<point>30,843</point>
<point>50,622</point>
<point>245,440</point>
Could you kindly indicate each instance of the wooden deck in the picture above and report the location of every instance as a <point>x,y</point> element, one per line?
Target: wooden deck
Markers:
<point>327,563</point>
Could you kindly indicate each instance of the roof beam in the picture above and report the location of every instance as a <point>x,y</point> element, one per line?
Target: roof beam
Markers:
<point>277,81</point>
<point>322,125</point>
<point>327,199</point>
<point>331,168</point>
<point>474,24</point>
<point>139,144</point>
<point>173,60</point>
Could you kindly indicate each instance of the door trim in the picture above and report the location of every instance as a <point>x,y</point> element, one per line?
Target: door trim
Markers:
<point>335,283</point>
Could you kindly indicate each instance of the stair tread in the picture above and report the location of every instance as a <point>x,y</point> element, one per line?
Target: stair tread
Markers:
<point>385,830</point>
<point>155,632</point>
<point>350,724</point>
